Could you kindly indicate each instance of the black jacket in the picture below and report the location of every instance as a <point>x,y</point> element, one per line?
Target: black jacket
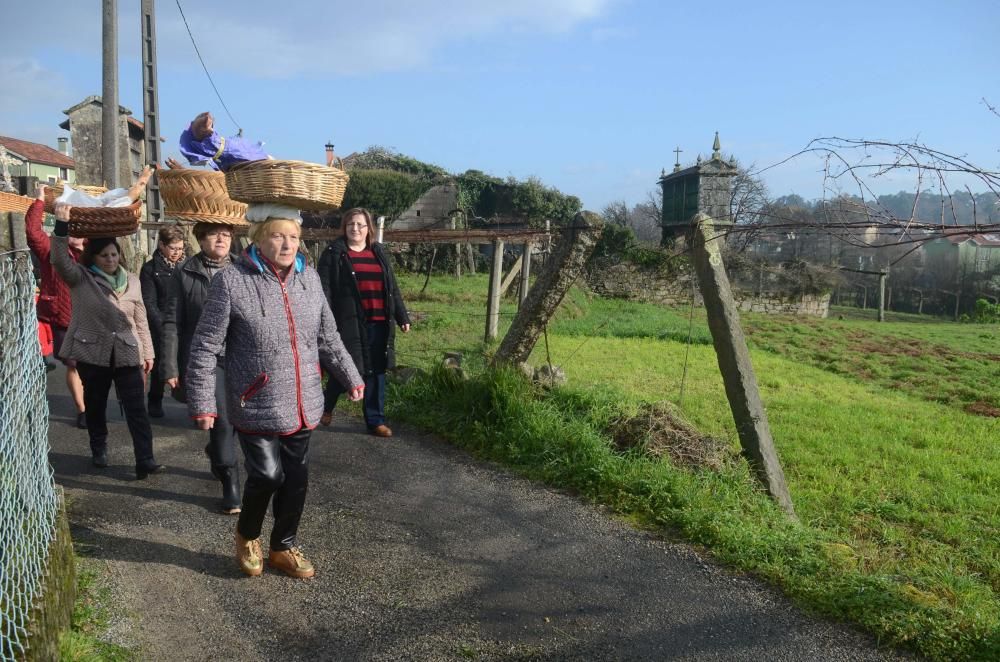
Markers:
<point>157,281</point>
<point>180,319</point>
<point>342,292</point>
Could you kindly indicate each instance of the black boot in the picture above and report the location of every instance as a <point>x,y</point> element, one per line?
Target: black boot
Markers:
<point>230,479</point>
<point>155,408</point>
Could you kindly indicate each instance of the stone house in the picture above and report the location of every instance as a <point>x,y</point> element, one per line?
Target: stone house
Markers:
<point>29,159</point>
<point>84,125</point>
<point>960,251</point>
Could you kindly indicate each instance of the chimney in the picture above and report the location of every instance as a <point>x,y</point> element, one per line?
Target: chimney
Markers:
<point>63,145</point>
<point>330,156</point>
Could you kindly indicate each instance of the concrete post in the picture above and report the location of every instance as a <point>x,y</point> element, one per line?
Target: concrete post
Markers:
<point>881,294</point>
<point>150,110</point>
<point>493,301</point>
<point>381,229</point>
<point>458,251</point>
<point>109,99</point>
<point>561,270</point>
<point>525,272</point>
<point>734,363</point>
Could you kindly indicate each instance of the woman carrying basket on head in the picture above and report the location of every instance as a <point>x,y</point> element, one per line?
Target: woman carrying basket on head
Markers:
<point>268,311</point>
<point>109,339</point>
<point>180,319</point>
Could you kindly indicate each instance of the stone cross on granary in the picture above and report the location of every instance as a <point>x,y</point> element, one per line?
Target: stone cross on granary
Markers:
<point>696,201</point>
<point>6,183</point>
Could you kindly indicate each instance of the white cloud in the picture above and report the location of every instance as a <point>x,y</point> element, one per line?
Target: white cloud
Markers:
<point>349,38</point>
<point>26,85</point>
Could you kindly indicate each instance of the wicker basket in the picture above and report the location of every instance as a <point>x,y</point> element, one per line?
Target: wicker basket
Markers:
<point>199,196</point>
<point>55,190</point>
<point>298,184</point>
<point>14,202</point>
<point>90,222</point>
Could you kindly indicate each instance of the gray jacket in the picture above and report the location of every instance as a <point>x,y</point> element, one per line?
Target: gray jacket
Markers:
<point>276,335</point>
<point>106,328</point>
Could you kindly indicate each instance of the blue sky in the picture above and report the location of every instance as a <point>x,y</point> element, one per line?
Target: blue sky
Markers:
<point>591,96</point>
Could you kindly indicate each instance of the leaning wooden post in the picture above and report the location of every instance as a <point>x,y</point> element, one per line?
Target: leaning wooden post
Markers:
<point>493,301</point>
<point>734,363</point>
<point>561,270</point>
<point>695,201</point>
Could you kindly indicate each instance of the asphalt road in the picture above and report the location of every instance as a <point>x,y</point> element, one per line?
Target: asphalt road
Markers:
<point>422,553</point>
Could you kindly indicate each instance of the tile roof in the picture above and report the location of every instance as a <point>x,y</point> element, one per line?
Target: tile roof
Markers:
<point>37,153</point>
<point>991,239</point>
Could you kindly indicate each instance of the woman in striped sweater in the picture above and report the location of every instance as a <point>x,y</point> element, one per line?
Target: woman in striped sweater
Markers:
<point>364,297</point>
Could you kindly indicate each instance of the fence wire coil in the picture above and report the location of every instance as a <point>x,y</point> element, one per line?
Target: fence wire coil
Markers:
<point>28,500</point>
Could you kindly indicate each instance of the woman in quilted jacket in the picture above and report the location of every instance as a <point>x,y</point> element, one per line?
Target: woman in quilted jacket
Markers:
<point>108,337</point>
<point>268,311</point>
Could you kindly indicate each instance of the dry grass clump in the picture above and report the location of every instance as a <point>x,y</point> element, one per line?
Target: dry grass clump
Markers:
<point>657,430</point>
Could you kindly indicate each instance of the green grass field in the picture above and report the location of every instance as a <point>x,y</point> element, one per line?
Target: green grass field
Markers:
<point>887,434</point>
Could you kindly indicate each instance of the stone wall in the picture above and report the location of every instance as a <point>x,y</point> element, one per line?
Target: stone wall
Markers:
<point>51,616</point>
<point>629,281</point>
<point>774,304</point>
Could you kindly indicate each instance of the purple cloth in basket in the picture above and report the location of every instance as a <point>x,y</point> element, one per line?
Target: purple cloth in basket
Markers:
<point>235,150</point>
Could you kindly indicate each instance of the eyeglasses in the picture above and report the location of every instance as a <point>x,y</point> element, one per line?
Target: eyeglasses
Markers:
<point>224,234</point>
<point>356,225</point>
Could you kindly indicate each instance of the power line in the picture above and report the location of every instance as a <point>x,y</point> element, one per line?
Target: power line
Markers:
<point>198,52</point>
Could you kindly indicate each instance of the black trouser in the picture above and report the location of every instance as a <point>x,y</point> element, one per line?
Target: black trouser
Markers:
<point>155,385</point>
<point>221,447</point>
<point>155,381</point>
<point>374,400</point>
<point>128,380</point>
<point>279,467</point>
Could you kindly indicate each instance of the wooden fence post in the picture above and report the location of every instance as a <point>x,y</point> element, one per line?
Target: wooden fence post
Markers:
<point>493,301</point>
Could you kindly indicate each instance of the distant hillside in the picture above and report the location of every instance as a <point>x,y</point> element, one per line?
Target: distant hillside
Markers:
<point>960,209</point>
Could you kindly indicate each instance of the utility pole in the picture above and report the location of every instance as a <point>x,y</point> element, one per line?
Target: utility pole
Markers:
<point>151,106</point>
<point>109,97</point>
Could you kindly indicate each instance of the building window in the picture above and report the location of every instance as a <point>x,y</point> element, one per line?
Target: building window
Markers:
<point>64,174</point>
<point>52,179</point>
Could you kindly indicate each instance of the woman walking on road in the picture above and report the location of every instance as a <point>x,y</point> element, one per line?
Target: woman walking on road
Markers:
<point>108,337</point>
<point>268,311</point>
<point>54,303</point>
<point>157,280</point>
<point>180,319</point>
<point>365,300</point>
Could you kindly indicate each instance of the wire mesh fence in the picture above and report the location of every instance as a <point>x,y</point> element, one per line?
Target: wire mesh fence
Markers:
<point>28,500</point>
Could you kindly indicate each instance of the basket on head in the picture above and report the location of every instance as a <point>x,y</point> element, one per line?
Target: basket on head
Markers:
<point>14,202</point>
<point>91,222</point>
<point>53,191</point>
<point>298,184</point>
<point>199,196</point>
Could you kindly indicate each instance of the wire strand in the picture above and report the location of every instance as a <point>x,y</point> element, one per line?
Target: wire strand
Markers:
<point>203,66</point>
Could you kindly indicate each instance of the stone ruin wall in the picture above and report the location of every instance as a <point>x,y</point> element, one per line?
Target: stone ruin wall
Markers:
<point>633,282</point>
